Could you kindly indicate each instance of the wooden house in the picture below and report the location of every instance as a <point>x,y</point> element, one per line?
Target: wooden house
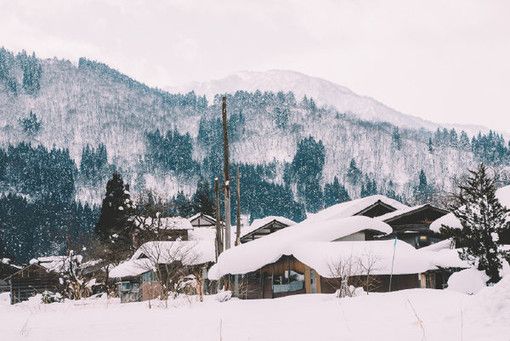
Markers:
<point>160,228</point>
<point>202,220</point>
<point>264,226</point>
<point>309,257</point>
<point>412,225</point>
<point>31,280</point>
<point>157,262</point>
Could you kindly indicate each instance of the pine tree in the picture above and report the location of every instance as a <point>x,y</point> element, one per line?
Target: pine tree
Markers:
<point>396,139</point>
<point>353,173</point>
<point>202,201</point>
<point>423,190</point>
<point>431,147</point>
<point>113,225</point>
<point>484,219</point>
<point>368,187</point>
<point>334,193</point>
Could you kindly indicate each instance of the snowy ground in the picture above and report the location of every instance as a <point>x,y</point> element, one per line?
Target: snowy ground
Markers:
<point>418,314</point>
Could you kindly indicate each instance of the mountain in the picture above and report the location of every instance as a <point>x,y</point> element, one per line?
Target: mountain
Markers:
<point>322,91</point>
<point>65,127</point>
<point>164,142</point>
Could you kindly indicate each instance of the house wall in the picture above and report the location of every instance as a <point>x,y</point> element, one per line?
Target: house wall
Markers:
<point>378,283</point>
<point>150,290</point>
<point>33,279</point>
<point>358,236</point>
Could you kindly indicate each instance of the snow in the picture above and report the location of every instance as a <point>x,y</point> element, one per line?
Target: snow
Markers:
<point>323,256</point>
<point>165,252</point>
<point>503,195</point>
<point>55,263</point>
<point>322,91</point>
<point>167,223</point>
<point>255,254</point>
<point>444,255</point>
<point>350,208</point>
<point>440,315</point>
<point>258,223</point>
<point>468,281</point>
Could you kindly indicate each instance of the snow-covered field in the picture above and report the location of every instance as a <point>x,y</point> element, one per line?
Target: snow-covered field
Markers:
<point>418,314</point>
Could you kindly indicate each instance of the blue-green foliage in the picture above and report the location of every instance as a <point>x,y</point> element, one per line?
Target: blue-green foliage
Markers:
<point>335,193</point>
<point>490,148</point>
<point>306,169</point>
<point>31,124</point>
<point>42,217</point>
<point>171,152</point>
<point>31,72</point>
<point>94,167</point>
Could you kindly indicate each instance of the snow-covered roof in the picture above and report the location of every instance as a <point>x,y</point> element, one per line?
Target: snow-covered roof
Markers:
<point>255,254</point>
<point>350,208</point>
<point>399,212</point>
<point>55,263</point>
<point>200,214</point>
<point>166,223</point>
<point>165,252</point>
<point>258,223</point>
<point>378,255</point>
<point>443,254</point>
<point>503,194</point>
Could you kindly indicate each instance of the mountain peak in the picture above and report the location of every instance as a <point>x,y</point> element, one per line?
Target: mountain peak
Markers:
<point>324,92</point>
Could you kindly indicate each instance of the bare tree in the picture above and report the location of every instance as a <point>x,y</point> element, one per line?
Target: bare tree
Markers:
<point>348,274</point>
<point>175,266</point>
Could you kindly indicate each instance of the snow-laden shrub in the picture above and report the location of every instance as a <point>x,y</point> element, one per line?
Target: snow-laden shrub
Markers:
<point>50,297</point>
<point>224,296</point>
<point>350,291</point>
<point>468,281</point>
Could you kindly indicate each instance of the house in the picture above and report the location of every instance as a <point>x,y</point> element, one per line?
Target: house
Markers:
<point>42,274</point>
<point>412,224</point>
<point>157,262</point>
<point>6,269</point>
<point>371,206</point>
<point>200,220</point>
<point>312,256</point>
<point>264,226</point>
<point>160,228</point>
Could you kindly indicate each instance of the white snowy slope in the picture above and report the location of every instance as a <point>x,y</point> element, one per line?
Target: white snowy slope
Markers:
<point>322,91</point>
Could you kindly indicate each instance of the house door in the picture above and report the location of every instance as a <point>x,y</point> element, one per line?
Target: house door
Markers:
<point>267,286</point>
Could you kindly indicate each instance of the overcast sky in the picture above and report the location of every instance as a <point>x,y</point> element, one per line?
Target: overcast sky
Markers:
<point>446,61</point>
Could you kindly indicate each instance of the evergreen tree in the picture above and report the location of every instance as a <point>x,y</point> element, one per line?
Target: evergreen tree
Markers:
<point>353,173</point>
<point>183,205</point>
<point>307,168</point>
<point>396,139</point>
<point>423,191</point>
<point>334,193</point>
<point>202,200</point>
<point>113,224</point>
<point>368,187</point>
<point>484,219</point>
<point>430,145</point>
<point>31,124</point>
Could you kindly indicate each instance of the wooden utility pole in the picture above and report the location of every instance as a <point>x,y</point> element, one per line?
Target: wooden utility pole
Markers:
<point>226,173</point>
<point>219,232</point>
<point>238,208</point>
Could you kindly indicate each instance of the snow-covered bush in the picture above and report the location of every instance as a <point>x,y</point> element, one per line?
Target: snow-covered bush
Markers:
<point>224,296</point>
<point>50,297</point>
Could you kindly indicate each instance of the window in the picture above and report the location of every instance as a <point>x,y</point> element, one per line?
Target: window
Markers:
<point>149,276</point>
<point>289,281</point>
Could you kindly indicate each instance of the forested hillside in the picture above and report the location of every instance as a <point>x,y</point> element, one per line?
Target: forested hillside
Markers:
<point>65,128</point>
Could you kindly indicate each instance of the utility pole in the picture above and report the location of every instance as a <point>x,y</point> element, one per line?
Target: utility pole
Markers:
<point>219,232</point>
<point>226,173</point>
<point>238,209</point>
